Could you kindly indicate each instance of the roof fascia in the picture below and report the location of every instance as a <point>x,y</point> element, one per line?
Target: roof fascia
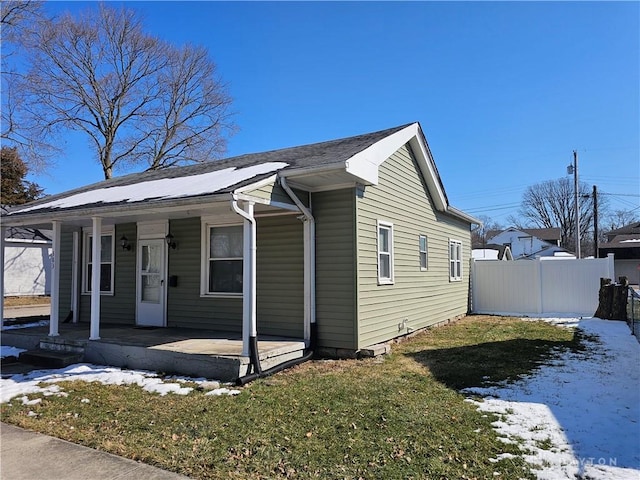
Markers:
<point>259,184</point>
<point>364,165</point>
<point>463,216</point>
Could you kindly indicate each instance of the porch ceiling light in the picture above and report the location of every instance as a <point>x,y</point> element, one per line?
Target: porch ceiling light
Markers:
<point>124,243</point>
<point>170,242</point>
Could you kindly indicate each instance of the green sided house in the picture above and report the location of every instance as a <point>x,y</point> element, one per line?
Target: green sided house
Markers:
<point>335,246</point>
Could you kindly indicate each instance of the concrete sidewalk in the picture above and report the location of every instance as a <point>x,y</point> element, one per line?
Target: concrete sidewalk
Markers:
<point>26,455</point>
<point>27,311</point>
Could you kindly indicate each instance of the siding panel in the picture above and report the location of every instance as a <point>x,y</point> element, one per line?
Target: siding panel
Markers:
<point>119,308</point>
<point>185,306</point>
<point>422,298</point>
<point>280,276</point>
<point>335,268</point>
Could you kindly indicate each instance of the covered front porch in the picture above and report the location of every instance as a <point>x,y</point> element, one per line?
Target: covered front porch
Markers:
<point>185,351</point>
<point>150,282</point>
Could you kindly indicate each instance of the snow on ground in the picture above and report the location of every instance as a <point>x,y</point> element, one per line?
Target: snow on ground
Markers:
<point>7,351</point>
<point>41,323</point>
<point>23,385</point>
<point>579,416</point>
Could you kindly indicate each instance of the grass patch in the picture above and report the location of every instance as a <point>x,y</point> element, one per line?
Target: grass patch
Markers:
<point>22,301</point>
<point>397,418</point>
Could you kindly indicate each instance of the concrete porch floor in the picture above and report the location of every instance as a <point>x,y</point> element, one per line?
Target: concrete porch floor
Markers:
<point>203,353</point>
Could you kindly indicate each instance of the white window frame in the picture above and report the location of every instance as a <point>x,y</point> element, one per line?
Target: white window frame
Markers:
<point>455,260</point>
<point>87,235</point>
<point>424,252</point>
<point>380,224</point>
<point>205,259</point>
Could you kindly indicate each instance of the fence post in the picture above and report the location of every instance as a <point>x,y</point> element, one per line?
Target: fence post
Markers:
<point>473,285</point>
<point>611,267</point>
<point>538,267</point>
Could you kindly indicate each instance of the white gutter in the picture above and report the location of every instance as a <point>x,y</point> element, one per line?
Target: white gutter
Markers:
<point>249,324</point>
<point>309,263</point>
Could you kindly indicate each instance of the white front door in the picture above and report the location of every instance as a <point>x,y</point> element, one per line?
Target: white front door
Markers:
<point>151,283</point>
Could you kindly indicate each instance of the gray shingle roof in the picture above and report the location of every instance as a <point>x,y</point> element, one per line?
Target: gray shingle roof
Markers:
<point>312,155</point>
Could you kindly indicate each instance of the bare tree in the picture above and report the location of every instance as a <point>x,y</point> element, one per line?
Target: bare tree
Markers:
<point>620,218</point>
<point>138,99</point>
<point>14,14</point>
<point>18,18</point>
<point>550,204</point>
<point>479,234</point>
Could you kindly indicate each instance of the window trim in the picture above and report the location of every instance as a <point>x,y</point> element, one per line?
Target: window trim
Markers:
<point>205,245</point>
<point>457,244</point>
<point>87,234</point>
<point>389,226</point>
<point>425,251</point>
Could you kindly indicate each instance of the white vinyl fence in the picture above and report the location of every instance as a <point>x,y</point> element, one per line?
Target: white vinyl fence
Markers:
<point>544,286</point>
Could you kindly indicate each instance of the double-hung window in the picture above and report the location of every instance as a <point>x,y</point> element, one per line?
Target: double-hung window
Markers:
<point>422,247</point>
<point>385,253</point>
<point>223,269</point>
<point>106,262</point>
<point>455,260</point>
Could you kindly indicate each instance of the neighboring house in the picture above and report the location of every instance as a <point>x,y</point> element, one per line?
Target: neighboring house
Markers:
<point>528,243</point>
<point>492,252</point>
<point>624,243</point>
<point>27,262</point>
<point>350,241</point>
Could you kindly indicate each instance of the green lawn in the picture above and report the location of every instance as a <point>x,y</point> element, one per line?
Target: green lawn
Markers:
<point>396,417</point>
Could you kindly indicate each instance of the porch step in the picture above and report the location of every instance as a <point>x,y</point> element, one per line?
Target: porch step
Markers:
<point>50,358</point>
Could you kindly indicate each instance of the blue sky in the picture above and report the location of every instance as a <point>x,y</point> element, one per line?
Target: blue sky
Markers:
<point>504,91</point>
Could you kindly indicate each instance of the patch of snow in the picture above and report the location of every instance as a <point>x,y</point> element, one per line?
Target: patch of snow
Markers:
<point>632,240</point>
<point>222,391</point>
<point>7,351</point>
<point>578,416</point>
<point>29,383</point>
<point>41,323</point>
<point>165,188</point>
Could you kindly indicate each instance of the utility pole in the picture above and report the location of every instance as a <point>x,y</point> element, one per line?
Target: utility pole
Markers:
<point>573,169</point>
<point>595,221</point>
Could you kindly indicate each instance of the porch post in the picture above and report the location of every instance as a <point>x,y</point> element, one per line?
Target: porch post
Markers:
<point>55,279</point>
<point>249,326</point>
<point>3,233</point>
<point>95,279</point>
<point>75,276</point>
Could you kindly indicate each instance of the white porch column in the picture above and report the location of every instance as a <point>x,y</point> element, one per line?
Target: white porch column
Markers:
<point>3,233</point>
<point>249,325</point>
<point>95,279</point>
<point>75,277</point>
<point>55,279</point>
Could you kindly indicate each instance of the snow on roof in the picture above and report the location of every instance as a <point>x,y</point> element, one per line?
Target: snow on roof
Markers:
<point>632,240</point>
<point>165,188</point>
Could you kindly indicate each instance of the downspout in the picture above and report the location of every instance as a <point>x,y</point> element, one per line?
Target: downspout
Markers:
<point>311,335</point>
<point>249,326</point>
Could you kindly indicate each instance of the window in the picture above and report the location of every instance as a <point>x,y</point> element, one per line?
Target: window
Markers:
<point>106,262</point>
<point>224,260</point>
<point>385,253</point>
<point>455,260</point>
<point>423,251</point>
